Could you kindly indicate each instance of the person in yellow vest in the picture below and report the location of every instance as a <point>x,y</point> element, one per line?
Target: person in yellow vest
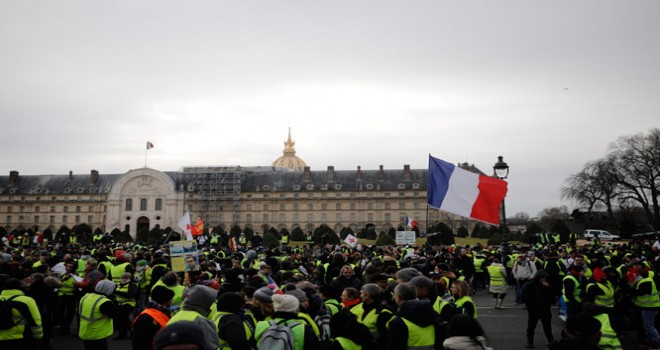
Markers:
<point>414,324</point>
<point>96,312</point>
<point>375,314</point>
<point>66,298</point>
<point>125,294</point>
<point>261,306</point>
<point>581,331</point>
<point>600,291</point>
<point>460,291</point>
<point>347,332</point>
<point>196,307</point>
<point>350,300</point>
<point>171,281</point>
<point>465,333</point>
<point>152,319</point>
<point>646,300</point>
<point>609,339</point>
<point>498,286</point>
<point>286,313</point>
<point>235,329</point>
<point>120,266</point>
<point>573,289</point>
<point>27,327</point>
<point>303,308</point>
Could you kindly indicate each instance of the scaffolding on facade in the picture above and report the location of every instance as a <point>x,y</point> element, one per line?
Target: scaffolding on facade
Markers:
<point>218,192</point>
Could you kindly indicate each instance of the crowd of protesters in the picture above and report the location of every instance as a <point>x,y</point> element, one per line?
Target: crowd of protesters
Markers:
<point>324,296</point>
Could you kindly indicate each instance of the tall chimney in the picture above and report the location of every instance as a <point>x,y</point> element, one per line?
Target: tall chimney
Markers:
<point>381,173</point>
<point>358,175</point>
<point>407,176</point>
<point>307,174</point>
<point>94,176</point>
<point>70,174</point>
<point>331,173</point>
<point>13,178</point>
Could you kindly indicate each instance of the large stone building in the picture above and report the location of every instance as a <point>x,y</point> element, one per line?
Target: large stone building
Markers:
<point>287,194</point>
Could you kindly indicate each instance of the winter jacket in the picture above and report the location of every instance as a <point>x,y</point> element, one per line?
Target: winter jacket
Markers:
<point>538,297</point>
<point>419,312</point>
<point>465,343</point>
<point>523,270</point>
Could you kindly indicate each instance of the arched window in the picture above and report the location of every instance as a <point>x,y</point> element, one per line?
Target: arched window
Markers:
<point>129,204</point>
<point>159,204</point>
<point>143,204</point>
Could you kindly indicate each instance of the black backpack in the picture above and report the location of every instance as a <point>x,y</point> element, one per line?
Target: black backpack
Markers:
<point>6,315</point>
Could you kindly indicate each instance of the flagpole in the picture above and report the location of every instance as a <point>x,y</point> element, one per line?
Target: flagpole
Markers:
<point>145,157</point>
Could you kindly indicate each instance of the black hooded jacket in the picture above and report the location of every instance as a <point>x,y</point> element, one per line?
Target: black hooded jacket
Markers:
<point>539,297</point>
<point>419,312</point>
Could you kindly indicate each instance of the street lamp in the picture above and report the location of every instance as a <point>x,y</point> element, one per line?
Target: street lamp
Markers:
<point>501,171</point>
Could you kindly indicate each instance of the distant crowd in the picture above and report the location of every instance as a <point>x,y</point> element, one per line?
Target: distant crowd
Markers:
<point>238,294</point>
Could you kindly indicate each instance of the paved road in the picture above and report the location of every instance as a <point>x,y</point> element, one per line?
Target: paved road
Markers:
<point>505,329</point>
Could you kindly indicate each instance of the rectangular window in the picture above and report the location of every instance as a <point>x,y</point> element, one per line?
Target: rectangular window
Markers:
<point>324,206</point>
<point>37,209</point>
<point>9,209</point>
<point>77,219</point>
<point>90,219</point>
<point>352,206</point>
<point>295,207</point>
<point>265,218</point>
<point>310,206</point>
<point>282,207</point>
<point>402,206</point>
<point>36,219</point>
<point>310,217</point>
<point>401,194</point>
<point>78,209</point>
<point>282,218</point>
<point>51,220</point>
<point>129,204</point>
<point>249,207</point>
<point>22,208</point>
<point>370,217</point>
<point>387,195</point>
<point>353,217</point>
<point>324,218</point>
<point>370,206</point>
<point>338,217</point>
<point>159,204</point>
<point>65,219</point>
<point>416,205</point>
<point>143,204</point>
<point>282,195</point>
<point>338,206</point>
<point>21,219</point>
<point>296,217</point>
<point>387,217</point>
<point>8,220</point>
<point>248,218</point>
<point>91,208</point>
<point>387,206</point>
<point>66,208</point>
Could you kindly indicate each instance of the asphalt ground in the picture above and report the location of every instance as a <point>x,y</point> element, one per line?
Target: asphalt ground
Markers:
<point>505,329</point>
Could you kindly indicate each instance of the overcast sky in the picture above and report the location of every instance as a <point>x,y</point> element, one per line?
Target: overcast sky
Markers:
<point>546,84</point>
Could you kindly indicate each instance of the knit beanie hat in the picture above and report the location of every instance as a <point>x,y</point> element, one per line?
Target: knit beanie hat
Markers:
<point>105,287</point>
<point>230,302</point>
<point>264,294</point>
<point>299,294</point>
<point>285,303</point>
<point>181,332</point>
<point>200,298</point>
<point>406,274</point>
<point>161,294</point>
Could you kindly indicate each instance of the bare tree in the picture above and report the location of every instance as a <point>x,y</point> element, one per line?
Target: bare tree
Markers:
<point>636,170</point>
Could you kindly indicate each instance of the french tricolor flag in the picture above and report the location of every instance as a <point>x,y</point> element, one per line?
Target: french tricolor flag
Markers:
<point>464,193</point>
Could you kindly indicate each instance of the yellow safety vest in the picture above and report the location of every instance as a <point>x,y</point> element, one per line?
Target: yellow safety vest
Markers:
<point>93,324</point>
<point>647,300</point>
<point>348,344</point>
<point>224,345</point>
<point>420,338</point>
<point>496,278</point>
<point>297,331</point>
<point>608,338</point>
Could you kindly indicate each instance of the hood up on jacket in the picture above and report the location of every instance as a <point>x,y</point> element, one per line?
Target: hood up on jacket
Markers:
<point>419,312</point>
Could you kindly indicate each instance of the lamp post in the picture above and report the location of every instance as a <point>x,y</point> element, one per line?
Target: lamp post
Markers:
<point>501,171</point>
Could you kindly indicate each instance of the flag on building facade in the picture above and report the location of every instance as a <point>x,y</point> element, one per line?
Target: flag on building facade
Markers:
<point>184,224</point>
<point>351,240</point>
<point>464,193</point>
<point>232,244</point>
<point>410,222</point>
<point>150,145</point>
<point>198,229</point>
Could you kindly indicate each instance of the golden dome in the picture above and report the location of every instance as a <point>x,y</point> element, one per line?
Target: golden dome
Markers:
<point>289,159</point>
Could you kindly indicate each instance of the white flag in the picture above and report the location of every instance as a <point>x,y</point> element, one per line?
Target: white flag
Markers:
<point>184,224</point>
<point>351,240</point>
